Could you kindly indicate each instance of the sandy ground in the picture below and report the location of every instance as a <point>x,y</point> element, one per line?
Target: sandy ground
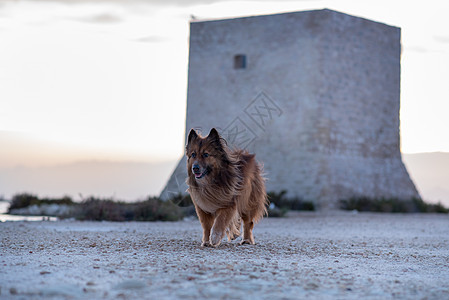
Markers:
<point>307,255</point>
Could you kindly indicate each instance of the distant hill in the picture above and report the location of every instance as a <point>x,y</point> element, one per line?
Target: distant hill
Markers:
<point>35,165</point>
<point>430,173</point>
<point>126,181</point>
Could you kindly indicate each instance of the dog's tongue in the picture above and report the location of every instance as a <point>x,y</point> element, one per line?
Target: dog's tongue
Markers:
<point>197,175</point>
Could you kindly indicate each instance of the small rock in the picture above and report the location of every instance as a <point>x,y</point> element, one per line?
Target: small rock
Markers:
<point>44,272</point>
<point>130,285</point>
<point>311,286</point>
<point>13,291</point>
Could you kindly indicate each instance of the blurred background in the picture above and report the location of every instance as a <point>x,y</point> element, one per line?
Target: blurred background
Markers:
<point>93,92</point>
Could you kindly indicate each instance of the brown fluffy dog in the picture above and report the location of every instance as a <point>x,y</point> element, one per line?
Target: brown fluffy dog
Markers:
<point>226,187</point>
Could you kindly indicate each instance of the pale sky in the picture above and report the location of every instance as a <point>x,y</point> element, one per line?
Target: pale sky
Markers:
<point>108,79</point>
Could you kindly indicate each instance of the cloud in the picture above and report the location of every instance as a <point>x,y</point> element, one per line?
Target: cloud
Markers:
<point>442,39</point>
<point>105,18</point>
<point>423,50</point>
<point>418,49</point>
<point>149,2</point>
<point>131,2</point>
<point>151,39</point>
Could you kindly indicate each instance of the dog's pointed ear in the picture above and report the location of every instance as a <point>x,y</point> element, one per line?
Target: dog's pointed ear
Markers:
<point>192,135</point>
<point>213,135</point>
<point>216,139</point>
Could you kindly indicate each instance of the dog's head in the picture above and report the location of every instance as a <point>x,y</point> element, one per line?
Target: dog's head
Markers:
<point>205,155</point>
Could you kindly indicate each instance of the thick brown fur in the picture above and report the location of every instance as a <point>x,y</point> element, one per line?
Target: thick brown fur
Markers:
<point>226,186</point>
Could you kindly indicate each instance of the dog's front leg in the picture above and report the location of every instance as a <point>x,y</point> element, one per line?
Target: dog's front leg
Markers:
<point>223,218</point>
<point>206,220</point>
<point>248,226</point>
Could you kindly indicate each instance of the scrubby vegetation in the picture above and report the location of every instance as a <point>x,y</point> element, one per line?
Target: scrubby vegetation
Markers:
<point>180,206</point>
<point>152,209</point>
<point>25,200</point>
<point>392,205</point>
<point>280,204</point>
<point>185,203</point>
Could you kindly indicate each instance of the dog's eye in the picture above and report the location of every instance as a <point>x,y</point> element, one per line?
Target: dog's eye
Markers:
<point>205,155</point>
<point>193,155</point>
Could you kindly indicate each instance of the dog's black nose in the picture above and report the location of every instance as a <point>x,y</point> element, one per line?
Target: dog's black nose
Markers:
<point>196,168</point>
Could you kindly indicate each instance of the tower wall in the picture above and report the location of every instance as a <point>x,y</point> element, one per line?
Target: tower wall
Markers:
<point>314,94</point>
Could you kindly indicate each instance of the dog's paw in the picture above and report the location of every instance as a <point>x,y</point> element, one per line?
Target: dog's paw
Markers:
<point>206,244</point>
<point>247,242</point>
<point>215,238</point>
<point>232,236</point>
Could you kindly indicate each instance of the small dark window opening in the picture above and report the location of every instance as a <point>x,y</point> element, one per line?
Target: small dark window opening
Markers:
<point>240,61</point>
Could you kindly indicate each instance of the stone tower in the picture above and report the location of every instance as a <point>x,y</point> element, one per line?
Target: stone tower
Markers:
<point>315,94</point>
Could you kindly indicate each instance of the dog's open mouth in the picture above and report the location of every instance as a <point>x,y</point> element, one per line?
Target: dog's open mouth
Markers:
<point>199,175</point>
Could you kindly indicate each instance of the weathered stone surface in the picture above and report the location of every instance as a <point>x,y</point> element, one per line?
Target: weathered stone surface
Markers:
<point>318,102</point>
